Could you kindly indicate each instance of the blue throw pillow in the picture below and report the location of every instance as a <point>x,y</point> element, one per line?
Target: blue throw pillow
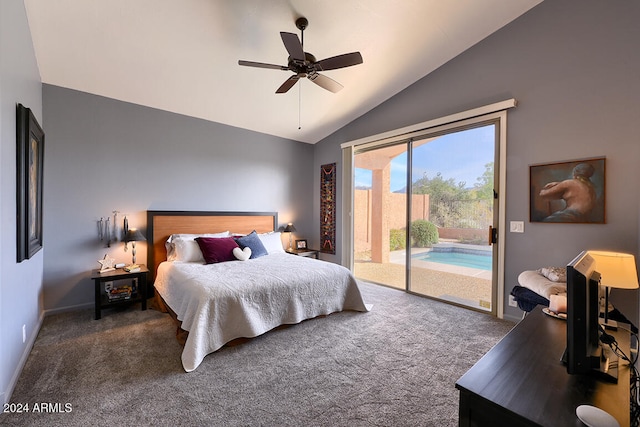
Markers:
<point>252,241</point>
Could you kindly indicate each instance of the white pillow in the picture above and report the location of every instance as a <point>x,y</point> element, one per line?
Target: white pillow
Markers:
<point>180,247</point>
<point>187,251</point>
<point>272,242</point>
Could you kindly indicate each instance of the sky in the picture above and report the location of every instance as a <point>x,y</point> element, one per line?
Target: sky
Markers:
<point>460,155</point>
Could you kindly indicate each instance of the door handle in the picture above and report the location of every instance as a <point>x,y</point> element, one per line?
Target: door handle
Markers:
<point>493,235</point>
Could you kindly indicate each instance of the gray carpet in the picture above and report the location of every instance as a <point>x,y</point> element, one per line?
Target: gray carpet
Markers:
<point>394,366</point>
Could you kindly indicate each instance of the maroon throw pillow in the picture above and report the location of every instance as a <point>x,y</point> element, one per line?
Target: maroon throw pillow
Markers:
<point>217,249</point>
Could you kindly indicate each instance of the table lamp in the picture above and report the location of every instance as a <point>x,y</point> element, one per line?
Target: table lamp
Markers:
<point>290,229</point>
<point>133,235</point>
<point>617,270</point>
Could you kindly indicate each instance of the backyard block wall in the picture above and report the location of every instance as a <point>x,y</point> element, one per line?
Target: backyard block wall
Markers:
<point>395,215</point>
<point>396,218</point>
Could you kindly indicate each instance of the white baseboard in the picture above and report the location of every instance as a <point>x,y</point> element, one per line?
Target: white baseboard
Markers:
<point>514,319</point>
<point>6,397</point>
<point>51,311</point>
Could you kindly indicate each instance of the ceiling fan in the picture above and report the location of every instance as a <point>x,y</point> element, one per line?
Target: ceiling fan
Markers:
<point>304,64</point>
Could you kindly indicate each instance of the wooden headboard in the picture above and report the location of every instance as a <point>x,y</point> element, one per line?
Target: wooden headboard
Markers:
<point>162,224</point>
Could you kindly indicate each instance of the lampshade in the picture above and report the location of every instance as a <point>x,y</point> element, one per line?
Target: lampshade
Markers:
<point>134,235</point>
<point>289,228</point>
<point>617,270</point>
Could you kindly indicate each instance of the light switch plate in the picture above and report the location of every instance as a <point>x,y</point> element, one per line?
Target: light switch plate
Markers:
<point>516,226</point>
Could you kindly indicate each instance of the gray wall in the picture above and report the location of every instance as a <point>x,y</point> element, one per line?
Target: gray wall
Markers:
<point>20,284</point>
<point>573,67</point>
<point>105,155</point>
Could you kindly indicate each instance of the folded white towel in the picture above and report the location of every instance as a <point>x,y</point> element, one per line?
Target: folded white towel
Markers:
<point>539,284</point>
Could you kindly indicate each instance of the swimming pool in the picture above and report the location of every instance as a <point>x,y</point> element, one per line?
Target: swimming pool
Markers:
<point>481,260</point>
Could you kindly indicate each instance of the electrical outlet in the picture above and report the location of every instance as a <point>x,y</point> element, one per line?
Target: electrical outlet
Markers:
<point>512,301</point>
<point>24,334</point>
<point>108,286</point>
<point>516,226</point>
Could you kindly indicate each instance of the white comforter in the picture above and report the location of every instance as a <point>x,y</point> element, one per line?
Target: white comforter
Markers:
<point>220,302</point>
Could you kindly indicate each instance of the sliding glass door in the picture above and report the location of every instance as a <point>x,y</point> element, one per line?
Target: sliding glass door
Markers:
<point>452,212</point>
<point>380,206</point>
<point>437,241</point>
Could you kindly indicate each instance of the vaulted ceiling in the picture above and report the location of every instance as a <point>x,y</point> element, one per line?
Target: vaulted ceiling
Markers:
<point>182,55</point>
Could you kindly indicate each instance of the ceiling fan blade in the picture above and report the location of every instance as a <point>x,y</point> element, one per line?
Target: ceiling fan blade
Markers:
<point>293,46</point>
<point>325,82</point>
<point>262,65</point>
<point>340,61</point>
<point>288,84</point>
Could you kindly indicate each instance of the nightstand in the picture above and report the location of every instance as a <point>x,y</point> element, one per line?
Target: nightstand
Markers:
<point>102,300</point>
<point>304,252</point>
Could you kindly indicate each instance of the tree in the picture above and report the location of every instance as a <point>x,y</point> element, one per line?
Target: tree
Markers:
<point>484,184</point>
<point>439,189</point>
<point>454,205</point>
<point>443,195</point>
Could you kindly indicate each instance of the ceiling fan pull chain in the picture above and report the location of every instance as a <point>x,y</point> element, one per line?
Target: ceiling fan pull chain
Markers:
<point>299,107</point>
<point>301,23</point>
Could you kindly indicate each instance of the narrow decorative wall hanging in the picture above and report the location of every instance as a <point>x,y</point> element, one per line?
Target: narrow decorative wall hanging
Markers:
<point>30,160</point>
<point>328,208</point>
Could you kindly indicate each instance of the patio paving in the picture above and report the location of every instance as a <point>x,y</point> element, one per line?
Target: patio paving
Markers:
<point>461,285</point>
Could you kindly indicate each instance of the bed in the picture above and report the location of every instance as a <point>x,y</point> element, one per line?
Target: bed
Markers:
<point>219,302</point>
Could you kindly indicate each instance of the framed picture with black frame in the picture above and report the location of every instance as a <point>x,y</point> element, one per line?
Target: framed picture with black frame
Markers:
<point>29,180</point>
<point>568,192</point>
<point>301,244</point>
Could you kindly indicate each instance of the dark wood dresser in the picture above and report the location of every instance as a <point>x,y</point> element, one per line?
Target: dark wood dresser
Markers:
<point>522,381</point>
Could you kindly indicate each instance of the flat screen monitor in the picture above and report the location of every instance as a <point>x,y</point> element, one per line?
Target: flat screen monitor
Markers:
<point>585,354</point>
